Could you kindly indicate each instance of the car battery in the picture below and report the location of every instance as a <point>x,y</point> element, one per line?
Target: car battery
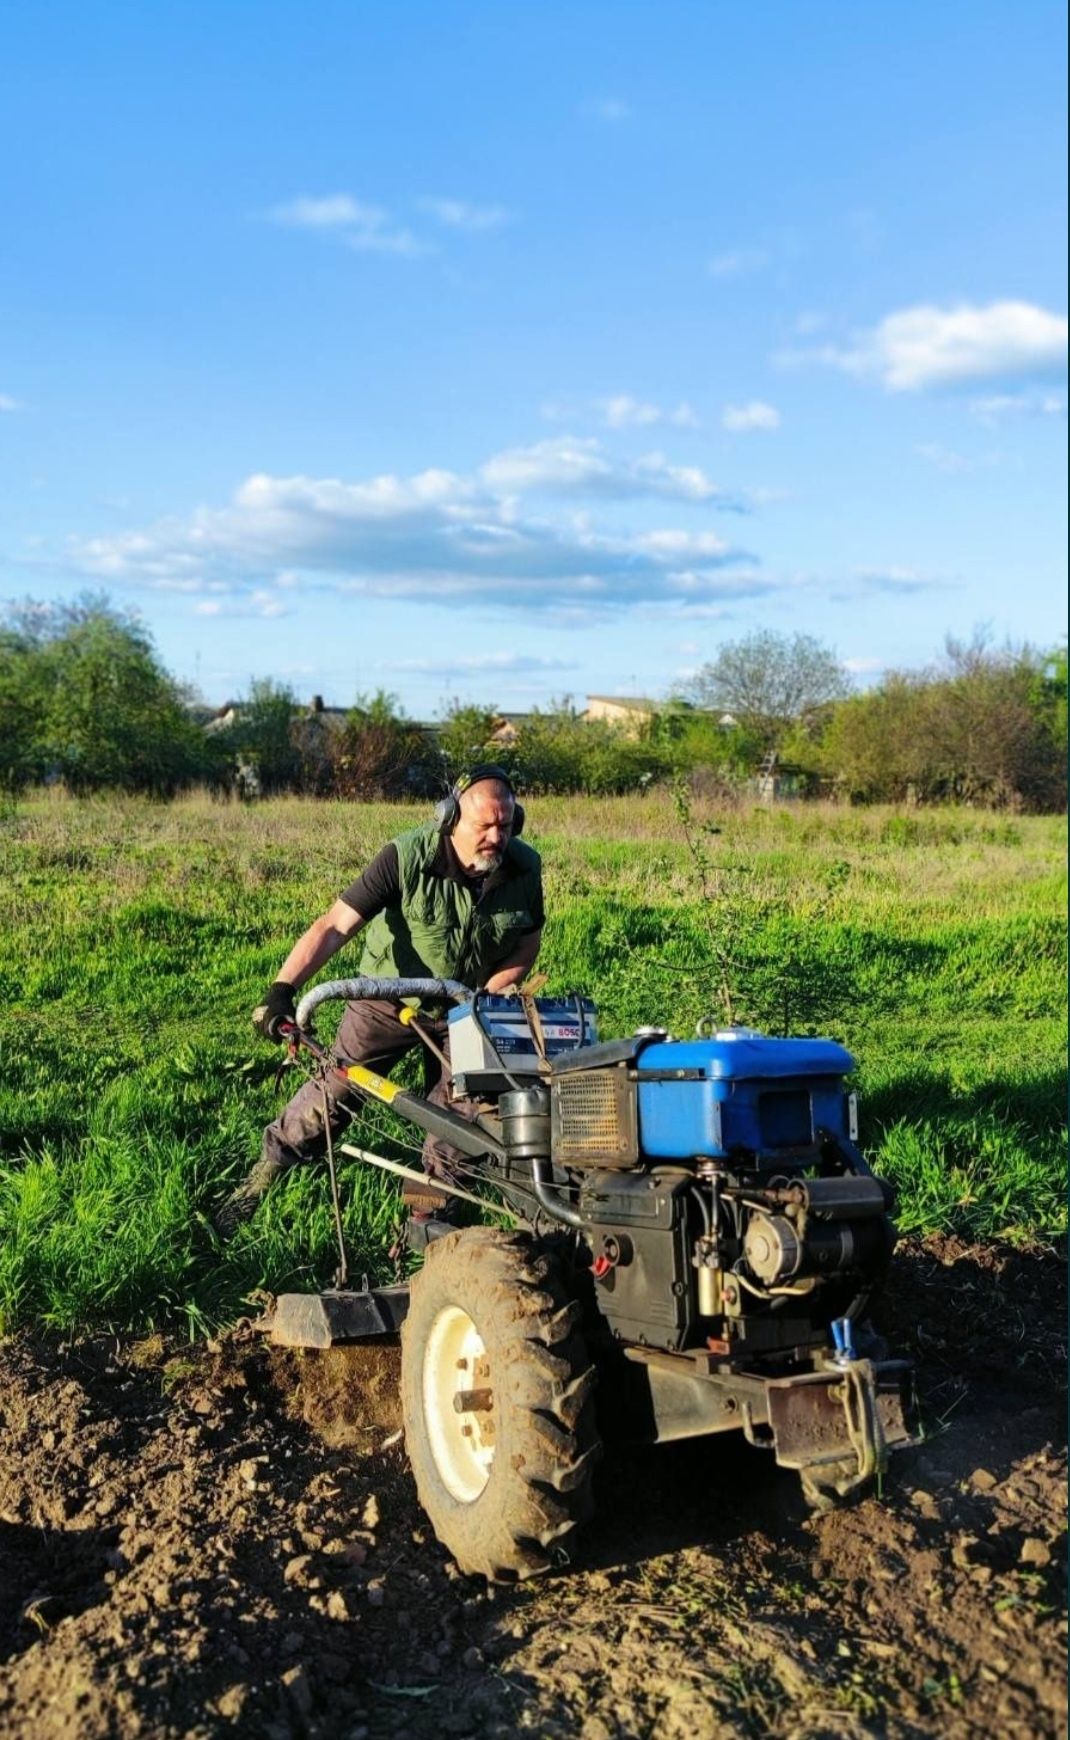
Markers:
<point>490,1039</point>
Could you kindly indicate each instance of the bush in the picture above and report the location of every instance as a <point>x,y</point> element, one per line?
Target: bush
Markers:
<point>558,752</point>
<point>259,747</point>
<point>984,728</point>
<point>380,753</point>
<point>464,737</point>
<point>84,699</point>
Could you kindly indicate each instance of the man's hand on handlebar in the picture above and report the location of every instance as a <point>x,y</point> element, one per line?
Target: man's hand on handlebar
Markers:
<point>276,1011</point>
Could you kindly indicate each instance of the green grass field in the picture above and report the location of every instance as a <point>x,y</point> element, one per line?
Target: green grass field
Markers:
<point>136,938</point>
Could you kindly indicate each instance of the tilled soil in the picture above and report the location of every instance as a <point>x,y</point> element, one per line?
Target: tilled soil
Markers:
<point>226,1541</point>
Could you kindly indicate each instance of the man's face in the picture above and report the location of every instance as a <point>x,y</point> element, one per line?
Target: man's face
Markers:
<point>482,834</point>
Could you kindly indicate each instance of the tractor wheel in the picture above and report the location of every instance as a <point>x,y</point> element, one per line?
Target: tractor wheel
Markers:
<point>496,1391</point>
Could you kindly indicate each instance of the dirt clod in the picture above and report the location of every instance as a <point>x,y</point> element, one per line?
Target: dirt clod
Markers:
<point>1035,1552</point>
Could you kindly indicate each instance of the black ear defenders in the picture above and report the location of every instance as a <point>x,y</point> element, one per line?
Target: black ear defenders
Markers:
<point>448,811</point>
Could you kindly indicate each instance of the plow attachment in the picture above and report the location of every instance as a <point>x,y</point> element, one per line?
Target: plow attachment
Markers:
<point>333,1318</point>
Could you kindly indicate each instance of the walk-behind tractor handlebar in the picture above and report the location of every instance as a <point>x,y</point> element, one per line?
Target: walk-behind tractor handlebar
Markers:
<point>697,1228</point>
<point>390,990</point>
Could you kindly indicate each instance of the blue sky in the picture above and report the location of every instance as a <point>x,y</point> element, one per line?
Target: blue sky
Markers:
<point>506,351</point>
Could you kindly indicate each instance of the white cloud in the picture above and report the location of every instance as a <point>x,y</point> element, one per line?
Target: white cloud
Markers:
<point>709,612</point>
<point>741,419</point>
<point>737,263</point>
<point>462,214</point>
<point>622,411</point>
<point>368,229</point>
<point>334,211</point>
<point>947,459</point>
<point>895,579</point>
<point>570,465</point>
<point>608,109</point>
<point>679,546</point>
<point>922,347</point>
<point>484,664</point>
<point>684,482</point>
<point>7,403</point>
<point>863,667</point>
<point>261,604</point>
<point>1001,407</point>
<point>433,536</point>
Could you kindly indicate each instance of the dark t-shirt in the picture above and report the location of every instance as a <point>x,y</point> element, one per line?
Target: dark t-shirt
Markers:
<point>380,884</point>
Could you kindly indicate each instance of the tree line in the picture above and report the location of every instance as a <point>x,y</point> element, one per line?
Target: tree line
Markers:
<point>86,701</point>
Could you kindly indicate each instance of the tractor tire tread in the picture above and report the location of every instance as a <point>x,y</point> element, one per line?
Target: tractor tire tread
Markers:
<point>539,1489</point>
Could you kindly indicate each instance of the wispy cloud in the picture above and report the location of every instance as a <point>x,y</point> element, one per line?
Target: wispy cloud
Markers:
<point>462,214</point>
<point>895,579</point>
<point>675,545</point>
<point>744,419</point>
<point>947,459</point>
<point>333,211</point>
<point>1003,407</point>
<point>737,262</point>
<point>572,466</point>
<point>622,411</point>
<point>611,110</point>
<point>917,348</point>
<point>484,664</point>
<point>262,605</point>
<point>7,403</point>
<point>368,229</point>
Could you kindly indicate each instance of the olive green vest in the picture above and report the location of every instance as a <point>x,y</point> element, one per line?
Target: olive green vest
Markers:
<point>440,931</point>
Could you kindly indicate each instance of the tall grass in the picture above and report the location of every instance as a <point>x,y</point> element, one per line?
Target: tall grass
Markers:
<point>134,939</point>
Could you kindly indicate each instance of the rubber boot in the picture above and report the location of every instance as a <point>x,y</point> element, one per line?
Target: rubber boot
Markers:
<point>243,1203</point>
<point>422,1229</point>
<point>432,1214</point>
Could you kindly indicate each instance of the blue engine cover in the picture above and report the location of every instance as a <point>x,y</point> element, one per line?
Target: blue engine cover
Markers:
<point>753,1096</point>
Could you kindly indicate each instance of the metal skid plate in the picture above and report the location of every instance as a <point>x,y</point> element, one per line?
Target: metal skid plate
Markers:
<point>334,1318</point>
<point>813,1422</point>
<point>810,1420</point>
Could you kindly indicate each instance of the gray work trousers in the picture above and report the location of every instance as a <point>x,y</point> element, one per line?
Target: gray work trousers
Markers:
<point>370,1033</point>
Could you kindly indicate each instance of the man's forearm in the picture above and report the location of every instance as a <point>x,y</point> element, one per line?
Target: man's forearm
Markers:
<point>320,941</point>
<point>516,969</point>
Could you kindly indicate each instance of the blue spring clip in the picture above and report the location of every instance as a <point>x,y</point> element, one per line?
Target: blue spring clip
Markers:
<point>843,1337</point>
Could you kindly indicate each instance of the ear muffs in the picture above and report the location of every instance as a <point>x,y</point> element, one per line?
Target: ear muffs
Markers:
<point>448,809</point>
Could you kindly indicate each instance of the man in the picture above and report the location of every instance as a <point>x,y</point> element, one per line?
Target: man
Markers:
<point>459,898</point>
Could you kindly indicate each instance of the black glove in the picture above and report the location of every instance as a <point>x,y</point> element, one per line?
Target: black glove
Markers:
<point>278,1006</point>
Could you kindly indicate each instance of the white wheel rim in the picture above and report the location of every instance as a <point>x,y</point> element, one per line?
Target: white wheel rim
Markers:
<point>462,1440</point>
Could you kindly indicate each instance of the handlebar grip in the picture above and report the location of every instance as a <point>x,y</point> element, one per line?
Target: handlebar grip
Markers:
<point>388,990</point>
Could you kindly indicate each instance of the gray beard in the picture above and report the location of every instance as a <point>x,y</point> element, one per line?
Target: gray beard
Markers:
<point>483,866</point>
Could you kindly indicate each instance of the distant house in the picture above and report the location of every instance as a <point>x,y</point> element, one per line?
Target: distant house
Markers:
<point>230,713</point>
<point>221,719</point>
<point>507,728</point>
<point>333,718</point>
<point>630,712</point>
